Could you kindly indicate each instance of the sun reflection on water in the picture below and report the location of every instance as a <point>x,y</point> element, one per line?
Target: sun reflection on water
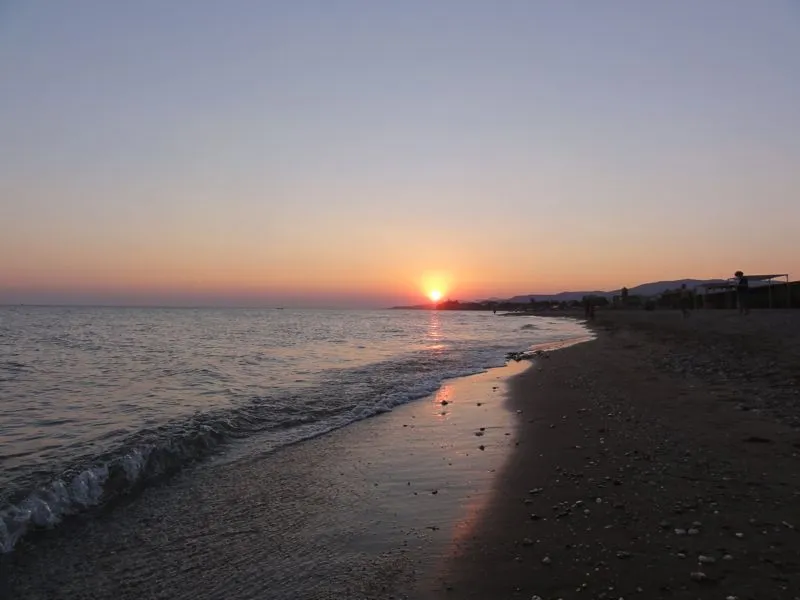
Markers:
<point>435,327</point>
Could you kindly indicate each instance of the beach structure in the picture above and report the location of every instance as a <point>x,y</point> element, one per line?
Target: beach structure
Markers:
<point>769,281</point>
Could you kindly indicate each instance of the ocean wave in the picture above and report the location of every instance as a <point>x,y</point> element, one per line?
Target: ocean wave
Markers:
<point>110,476</point>
<point>340,397</point>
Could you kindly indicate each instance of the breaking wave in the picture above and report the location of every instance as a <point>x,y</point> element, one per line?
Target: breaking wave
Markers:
<point>340,398</point>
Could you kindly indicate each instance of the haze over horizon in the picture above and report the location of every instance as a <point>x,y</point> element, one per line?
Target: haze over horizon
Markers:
<point>365,153</point>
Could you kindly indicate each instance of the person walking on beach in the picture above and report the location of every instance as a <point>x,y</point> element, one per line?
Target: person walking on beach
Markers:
<point>685,300</point>
<point>742,287</point>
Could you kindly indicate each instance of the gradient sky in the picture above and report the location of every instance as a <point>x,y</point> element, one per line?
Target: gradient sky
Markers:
<point>361,152</point>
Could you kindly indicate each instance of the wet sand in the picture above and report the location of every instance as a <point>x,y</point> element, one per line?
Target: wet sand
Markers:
<point>659,461</point>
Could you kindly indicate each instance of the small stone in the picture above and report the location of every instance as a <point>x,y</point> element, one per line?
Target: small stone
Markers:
<point>739,535</point>
<point>727,557</point>
<point>527,542</point>
<point>693,531</point>
<point>599,500</point>
<point>680,531</point>
<point>698,576</point>
<point>706,560</point>
<point>623,554</point>
<point>546,560</point>
<point>481,447</point>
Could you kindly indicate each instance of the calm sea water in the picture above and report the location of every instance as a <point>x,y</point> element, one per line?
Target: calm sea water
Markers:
<point>97,402</point>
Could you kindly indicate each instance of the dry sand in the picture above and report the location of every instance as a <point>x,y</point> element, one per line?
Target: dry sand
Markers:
<point>659,461</point>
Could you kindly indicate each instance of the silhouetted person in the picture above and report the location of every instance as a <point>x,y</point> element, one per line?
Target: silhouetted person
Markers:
<point>685,300</point>
<point>742,287</point>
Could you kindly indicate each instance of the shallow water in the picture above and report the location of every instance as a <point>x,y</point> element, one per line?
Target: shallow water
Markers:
<point>96,401</point>
<point>373,510</point>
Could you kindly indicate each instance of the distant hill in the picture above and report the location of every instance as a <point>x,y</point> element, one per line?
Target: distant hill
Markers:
<point>657,287</point>
<point>560,297</point>
<point>645,289</point>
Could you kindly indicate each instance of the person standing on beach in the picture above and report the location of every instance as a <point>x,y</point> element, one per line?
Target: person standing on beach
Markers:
<point>588,308</point>
<point>742,287</point>
<point>685,300</point>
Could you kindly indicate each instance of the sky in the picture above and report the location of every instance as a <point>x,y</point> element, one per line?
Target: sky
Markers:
<point>365,152</point>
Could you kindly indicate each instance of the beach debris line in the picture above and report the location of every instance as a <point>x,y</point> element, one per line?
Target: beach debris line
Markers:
<point>526,355</point>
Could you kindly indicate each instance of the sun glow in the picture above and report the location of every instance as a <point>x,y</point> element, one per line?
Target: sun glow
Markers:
<point>435,295</point>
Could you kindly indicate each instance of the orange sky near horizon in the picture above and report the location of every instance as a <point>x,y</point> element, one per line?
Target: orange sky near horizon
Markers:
<point>405,272</point>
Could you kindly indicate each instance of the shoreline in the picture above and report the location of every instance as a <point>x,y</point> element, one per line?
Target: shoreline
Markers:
<point>366,508</point>
<point>657,461</point>
<point>685,430</point>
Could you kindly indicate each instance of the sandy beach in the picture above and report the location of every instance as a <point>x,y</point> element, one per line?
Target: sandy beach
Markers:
<point>659,461</point>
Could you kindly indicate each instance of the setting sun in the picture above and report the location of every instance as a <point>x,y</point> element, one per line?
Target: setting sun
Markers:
<point>435,295</point>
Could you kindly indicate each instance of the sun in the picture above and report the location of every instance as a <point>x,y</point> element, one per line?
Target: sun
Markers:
<point>435,295</point>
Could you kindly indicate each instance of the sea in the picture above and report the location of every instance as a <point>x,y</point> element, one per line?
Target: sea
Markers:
<point>100,403</point>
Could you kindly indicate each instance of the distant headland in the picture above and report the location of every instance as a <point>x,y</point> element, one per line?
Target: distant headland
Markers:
<point>564,300</point>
